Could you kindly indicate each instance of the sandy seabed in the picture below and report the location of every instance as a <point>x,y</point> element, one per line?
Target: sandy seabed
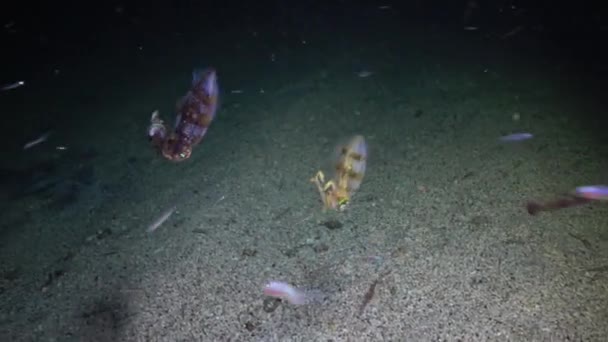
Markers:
<point>439,224</point>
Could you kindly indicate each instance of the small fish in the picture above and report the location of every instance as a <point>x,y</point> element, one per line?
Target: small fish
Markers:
<point>592,192</point>
<point>368,296</point>
<point>516,137</point>
<point>513,32</point>
<point>371,291</point>
<point>285,291</point>
<point>158,222</point>
<point>562,202</point>
<point>13,85</point>
<point>36,141</point>
<point>365,73</point>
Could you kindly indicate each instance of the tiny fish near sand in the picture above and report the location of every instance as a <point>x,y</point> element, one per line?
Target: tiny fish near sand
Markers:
<point>293,295</point>
<point>285,291</point>
<point>515,137</point>
<point>158,222</point>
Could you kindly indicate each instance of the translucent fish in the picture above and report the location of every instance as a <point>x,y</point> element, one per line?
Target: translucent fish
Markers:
<point>516,137</point>
<point>13,85</point>
<point>365,73</point>
<point>159,221</point>
<point>37,141</point>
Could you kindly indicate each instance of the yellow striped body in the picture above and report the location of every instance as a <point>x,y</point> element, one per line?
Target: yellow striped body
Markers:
<point>349,172</point>
<point>351,165</point>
